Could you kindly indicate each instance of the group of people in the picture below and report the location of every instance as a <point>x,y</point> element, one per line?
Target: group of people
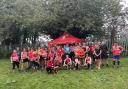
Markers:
<point>73,56</point>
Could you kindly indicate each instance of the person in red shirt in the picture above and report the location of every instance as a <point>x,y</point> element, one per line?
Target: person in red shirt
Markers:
<point>77,63</point>
<point>116,50</point>
<point>31,58</point>
<point>50,67</point>
<point>68,62</point>
<point>88,61</point>
<point>60,51</point>
<point>91,52</point>
<point>24,59</point>
<point>43,57</point>
<point>57,64</point>
<point>15,60</point>
<point>51,53</point>
<point>34,59</point>
<point>92,48</point>
<point>79,51</point>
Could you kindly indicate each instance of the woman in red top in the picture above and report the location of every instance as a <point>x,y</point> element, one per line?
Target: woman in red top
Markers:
<point>15,60</point>
<point>24,59</point>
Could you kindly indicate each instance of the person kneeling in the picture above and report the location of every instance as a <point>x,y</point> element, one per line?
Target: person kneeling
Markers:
<point>57,64</point>
<point>77,63</point>
<point>50,67</point>
<point>88,61</point>
<point>68,62</point>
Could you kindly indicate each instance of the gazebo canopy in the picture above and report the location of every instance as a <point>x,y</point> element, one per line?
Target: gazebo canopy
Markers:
<point>66,38</point>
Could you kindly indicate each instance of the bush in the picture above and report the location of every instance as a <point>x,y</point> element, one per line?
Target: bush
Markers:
<point>4,54</point>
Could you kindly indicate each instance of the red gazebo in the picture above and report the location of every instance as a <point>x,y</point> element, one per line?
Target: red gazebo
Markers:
<point>66,38</point>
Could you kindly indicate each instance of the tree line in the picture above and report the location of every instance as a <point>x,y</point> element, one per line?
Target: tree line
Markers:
<point>22,21</point>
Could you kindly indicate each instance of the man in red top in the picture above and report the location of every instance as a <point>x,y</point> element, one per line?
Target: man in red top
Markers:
<point>116,50</point>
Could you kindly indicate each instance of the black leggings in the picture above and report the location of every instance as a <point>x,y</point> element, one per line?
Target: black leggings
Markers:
<point>14,64</point>
<point>49,70</point>
<point>77,66</point>
<point>89,66</point>
<point>33,64</point>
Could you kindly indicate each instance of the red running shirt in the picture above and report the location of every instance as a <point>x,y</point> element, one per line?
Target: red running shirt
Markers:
<point>30,52</point>
<point>67,60</point>
<point>14,56</point>
<point>50,64</point>
<point>56,62</point>
<point>88,60</point>
<point>116,50</point>
<point>60,52</point>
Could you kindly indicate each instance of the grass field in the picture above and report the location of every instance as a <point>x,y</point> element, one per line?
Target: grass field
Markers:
<point>106,78</point>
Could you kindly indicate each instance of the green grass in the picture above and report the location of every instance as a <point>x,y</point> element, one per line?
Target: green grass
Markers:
<point>106,78</point>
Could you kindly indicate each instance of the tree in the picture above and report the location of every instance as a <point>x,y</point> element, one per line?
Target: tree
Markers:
<point>24,20</point>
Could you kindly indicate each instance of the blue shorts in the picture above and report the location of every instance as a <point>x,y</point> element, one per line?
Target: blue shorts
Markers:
<point>116,57</point>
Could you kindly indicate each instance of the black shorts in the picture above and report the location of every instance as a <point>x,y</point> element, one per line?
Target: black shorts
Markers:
<point>25,60</point>
<point>97,57</point>
<point>42,58</point>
